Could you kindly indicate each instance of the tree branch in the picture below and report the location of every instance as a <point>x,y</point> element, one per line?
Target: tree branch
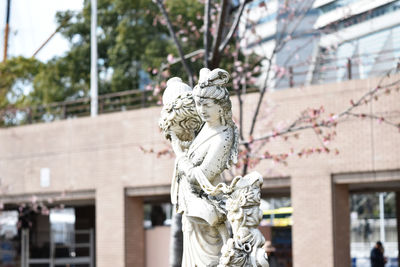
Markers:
<point>330,123</point>
<point>278,46</point>
<point>206,32</point>
<point>177,60</point>
<point>215,58</point>
<point>233,27</point>
<point>178,45</point>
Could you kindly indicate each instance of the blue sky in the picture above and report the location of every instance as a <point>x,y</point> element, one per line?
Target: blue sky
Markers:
<point>31,23</point>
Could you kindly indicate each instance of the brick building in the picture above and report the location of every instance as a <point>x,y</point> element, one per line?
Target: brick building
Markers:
<point>97,166</point>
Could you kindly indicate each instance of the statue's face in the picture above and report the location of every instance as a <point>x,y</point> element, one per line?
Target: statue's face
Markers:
<point>207,109</point>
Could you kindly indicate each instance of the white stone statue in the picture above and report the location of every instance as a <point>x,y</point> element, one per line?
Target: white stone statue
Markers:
<point>205,141</point>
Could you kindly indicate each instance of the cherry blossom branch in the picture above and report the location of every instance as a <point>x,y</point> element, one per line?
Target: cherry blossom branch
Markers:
<point>333,120</point>
<point>187,56</point>
<point>278,47</point>
<point>282,42</point>
<point>380,119</point>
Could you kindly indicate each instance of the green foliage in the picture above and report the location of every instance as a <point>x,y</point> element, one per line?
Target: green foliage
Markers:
<point>129,42</point>
<point>133,43</point>
<point>16,74</point>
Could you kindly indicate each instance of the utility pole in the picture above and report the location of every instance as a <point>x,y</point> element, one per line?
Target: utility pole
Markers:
<point>6,30</point>
<point>93,69</point>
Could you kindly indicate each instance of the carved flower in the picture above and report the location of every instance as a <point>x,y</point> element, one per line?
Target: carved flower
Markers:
<point>178,103</point>
<point>232,205</point>
<point>190,123</point>
<point>227,252</point>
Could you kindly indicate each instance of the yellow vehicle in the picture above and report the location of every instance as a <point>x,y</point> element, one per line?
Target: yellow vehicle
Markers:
<point>278,217</point>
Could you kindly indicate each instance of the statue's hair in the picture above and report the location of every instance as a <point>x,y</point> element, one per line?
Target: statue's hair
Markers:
<point>212,86</point>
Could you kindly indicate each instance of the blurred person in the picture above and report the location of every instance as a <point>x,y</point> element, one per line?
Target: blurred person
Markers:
<point>377,258</point>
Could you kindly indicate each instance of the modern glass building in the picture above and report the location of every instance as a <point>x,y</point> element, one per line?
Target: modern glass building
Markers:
<point>324,41</point>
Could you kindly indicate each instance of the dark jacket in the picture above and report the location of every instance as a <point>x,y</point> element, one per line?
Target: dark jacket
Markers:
<point>377,259</point>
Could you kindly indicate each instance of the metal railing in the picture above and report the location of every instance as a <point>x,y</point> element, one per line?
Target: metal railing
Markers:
<point>326,69</point>
<point>120,101</point>
<point>108,103</point>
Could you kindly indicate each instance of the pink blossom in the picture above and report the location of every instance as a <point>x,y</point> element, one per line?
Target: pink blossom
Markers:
<point>155,71</point>
<point>281,71</point>
<point>163,22</point>
<point>253,80</point>
<point>170,58</point>
<point>157,90</point>
<point>236,83</point>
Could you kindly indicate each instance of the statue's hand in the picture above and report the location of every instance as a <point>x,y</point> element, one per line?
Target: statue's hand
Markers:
<point>176,146</point>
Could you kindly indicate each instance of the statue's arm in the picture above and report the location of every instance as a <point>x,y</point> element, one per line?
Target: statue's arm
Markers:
<point>217,156</point>
<point>213,164</point>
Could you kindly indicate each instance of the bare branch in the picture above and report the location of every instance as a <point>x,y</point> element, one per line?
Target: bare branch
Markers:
<point>215,58</point>
<point>178,45</point>
<point>233,27</point>
<point>261,97</point>
<point>177,60</point>
<point>206,31</point>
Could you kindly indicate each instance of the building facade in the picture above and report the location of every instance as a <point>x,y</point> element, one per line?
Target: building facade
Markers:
<point>323,41</point>
<point>109,167</point>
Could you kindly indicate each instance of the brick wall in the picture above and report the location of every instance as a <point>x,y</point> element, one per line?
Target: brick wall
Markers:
<point>104,154</point>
